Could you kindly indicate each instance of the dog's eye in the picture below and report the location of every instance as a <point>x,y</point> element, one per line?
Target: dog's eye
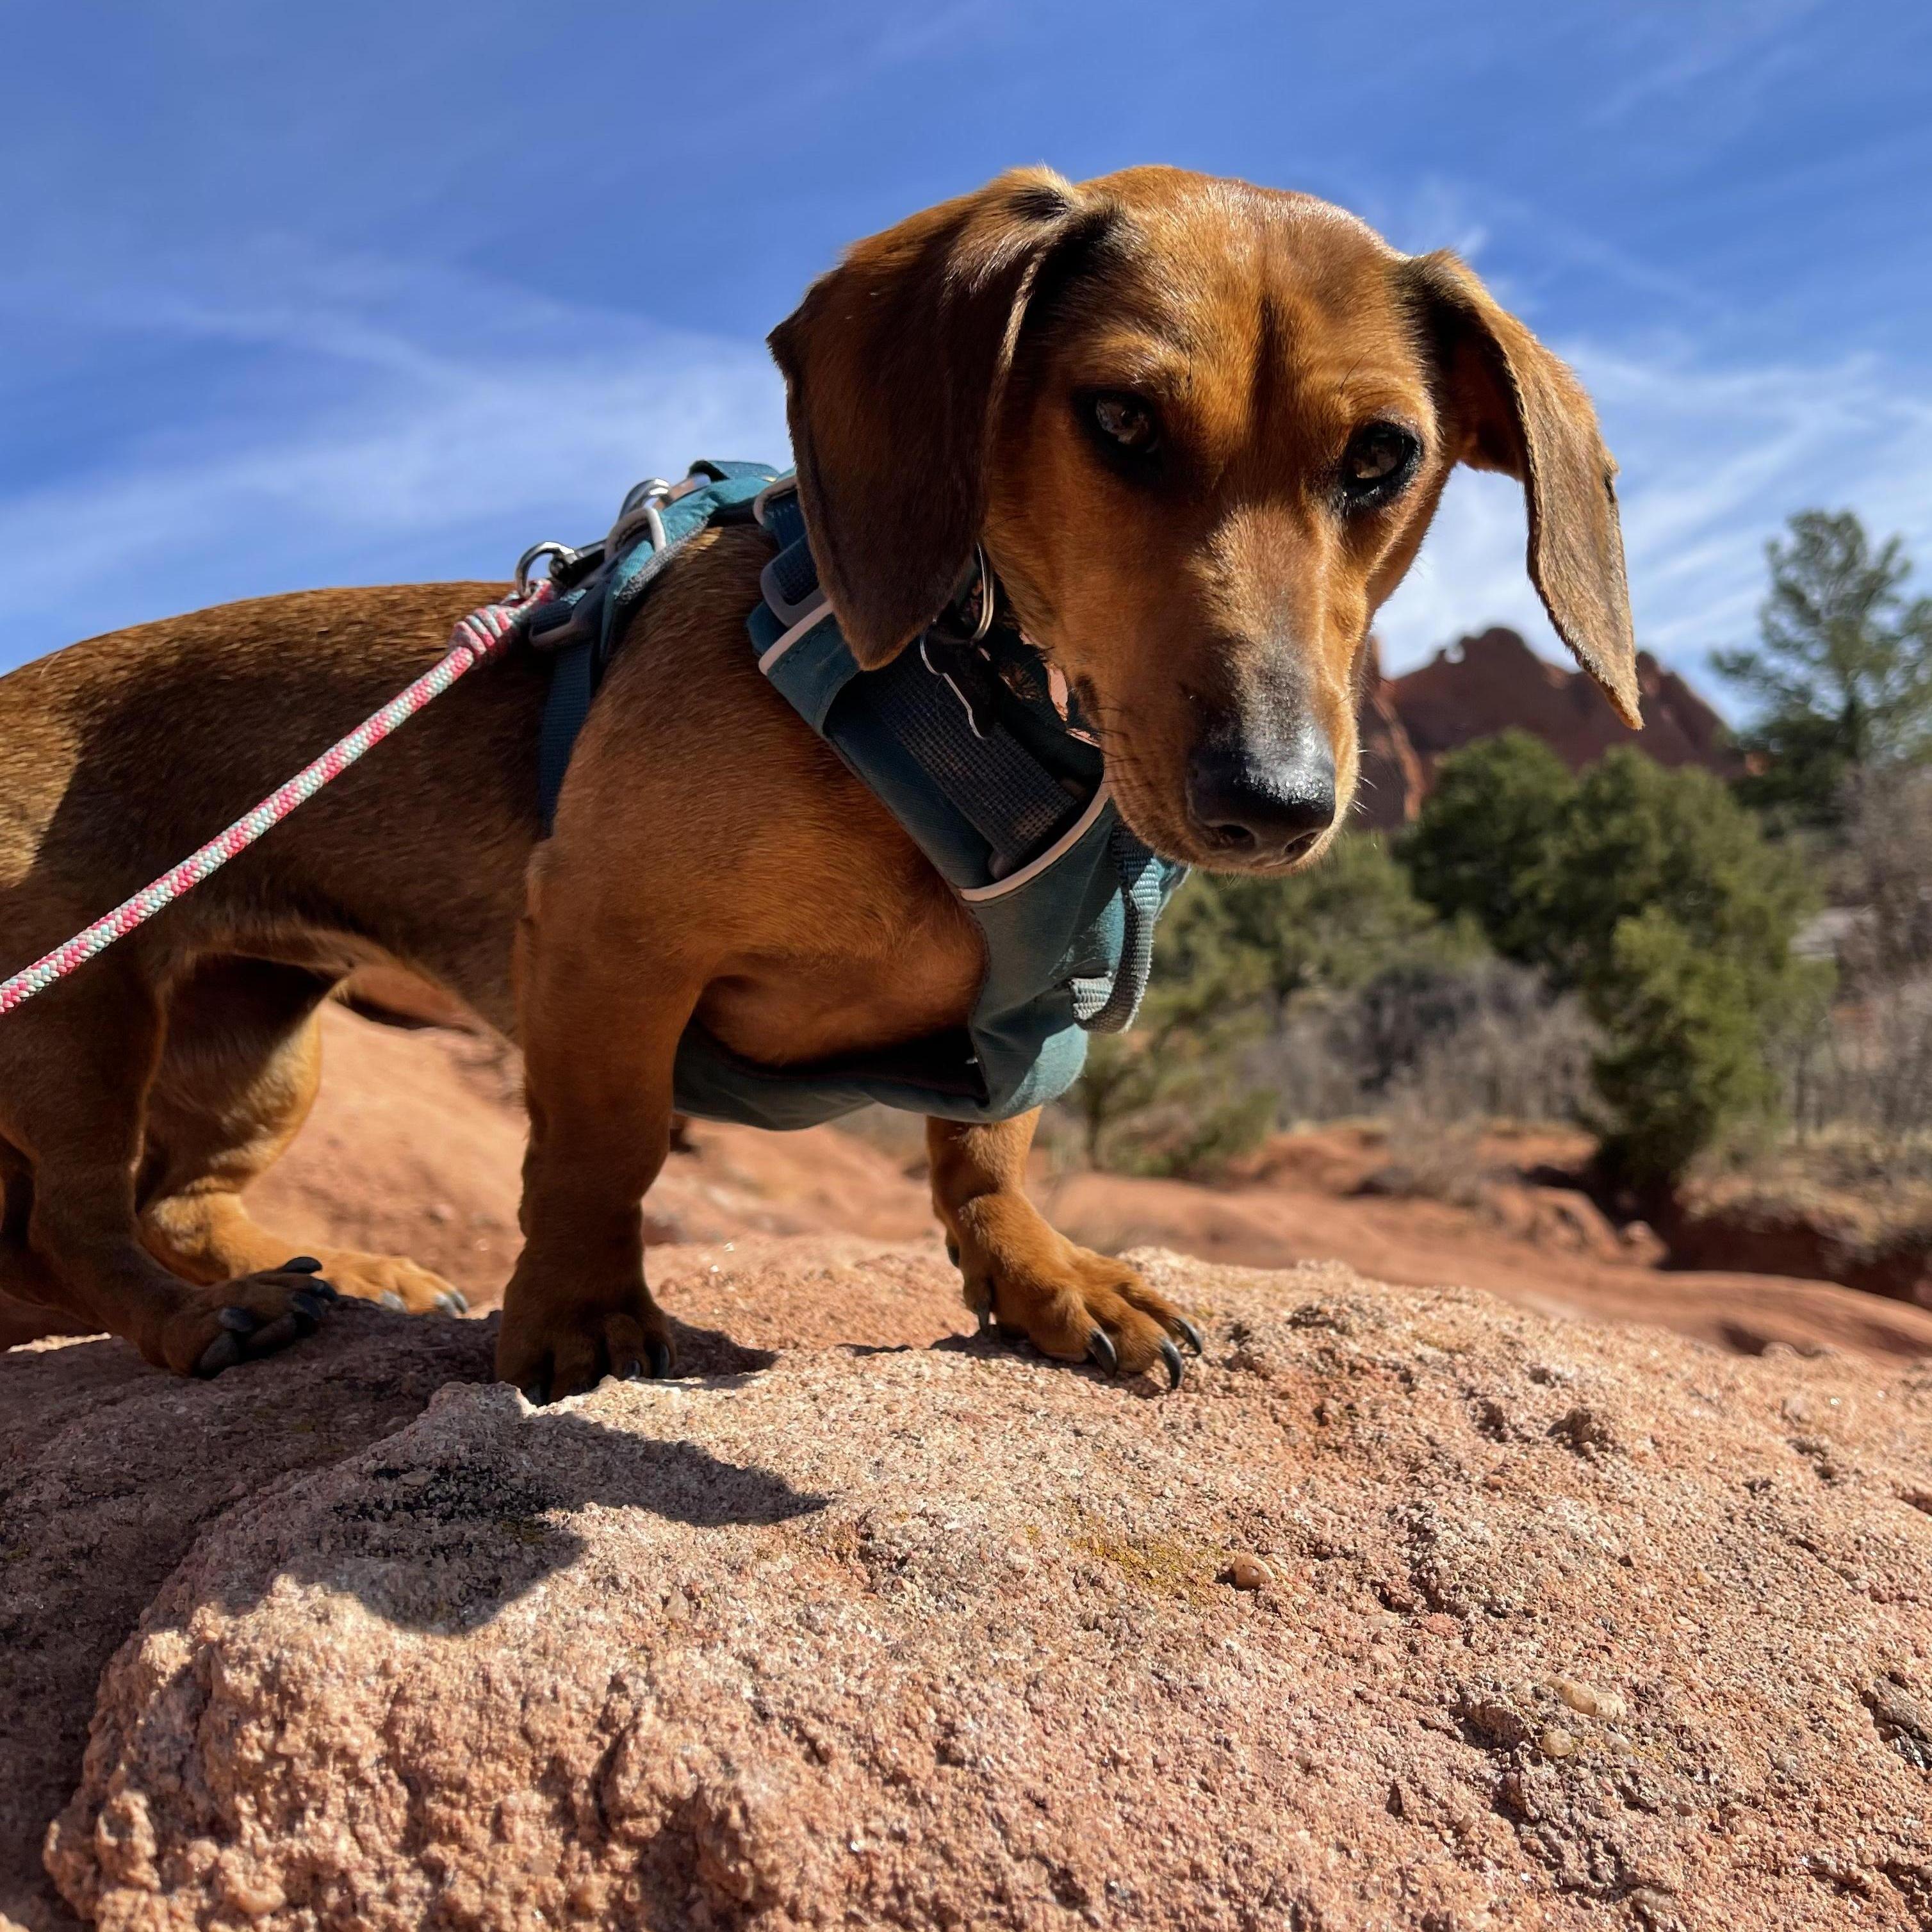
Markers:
<point>1377,462</point>
<point>1125,421</point>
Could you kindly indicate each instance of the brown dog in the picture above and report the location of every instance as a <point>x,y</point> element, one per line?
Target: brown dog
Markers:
<point>1200,428</point>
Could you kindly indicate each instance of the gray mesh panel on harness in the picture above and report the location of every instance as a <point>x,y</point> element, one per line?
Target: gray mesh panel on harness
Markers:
<point>1009,798</point>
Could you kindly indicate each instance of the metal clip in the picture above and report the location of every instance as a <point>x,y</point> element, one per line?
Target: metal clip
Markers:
<point>561,557</point>
<point>639,511</point>
<point>963,667</point>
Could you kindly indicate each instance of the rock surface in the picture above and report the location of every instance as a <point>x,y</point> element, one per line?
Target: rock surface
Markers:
<point>1562,1625</point>
<point>108,1470</point>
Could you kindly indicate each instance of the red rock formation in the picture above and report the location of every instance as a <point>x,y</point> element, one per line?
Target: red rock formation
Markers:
<point>1409,1612</point>
<point>1496,682</point>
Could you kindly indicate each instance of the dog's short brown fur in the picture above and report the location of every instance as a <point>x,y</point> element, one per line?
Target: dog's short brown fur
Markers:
<point>711,856</point>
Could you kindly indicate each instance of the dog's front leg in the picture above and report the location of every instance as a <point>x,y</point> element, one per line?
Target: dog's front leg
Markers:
<point>600,1034</point>
<point>1073,1304</point>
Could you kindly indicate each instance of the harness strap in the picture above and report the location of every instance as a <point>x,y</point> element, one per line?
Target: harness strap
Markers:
<point>1109,1006</point>
<point>585,624</point>
<point>970,757</point>
<point>954,723</point>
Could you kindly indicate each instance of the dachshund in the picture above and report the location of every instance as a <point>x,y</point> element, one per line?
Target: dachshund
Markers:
<point>1199,429</point>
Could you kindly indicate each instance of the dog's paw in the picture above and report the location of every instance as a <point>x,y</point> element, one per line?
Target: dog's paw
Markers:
<point>1072,1304</point>
<point>215,1328</point>
<point>552,1347</point>
<point>392,1281</point>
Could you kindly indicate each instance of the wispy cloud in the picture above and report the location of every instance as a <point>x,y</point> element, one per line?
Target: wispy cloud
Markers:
<point>1713,459</point>
<point>1748,42</point>
<point>430,458</point>
<point>464,418</point>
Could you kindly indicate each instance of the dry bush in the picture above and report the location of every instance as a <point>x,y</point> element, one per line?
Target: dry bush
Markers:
<point>1433,1159</point>
<point>1859,1073</point>
<point>1486,1040</point>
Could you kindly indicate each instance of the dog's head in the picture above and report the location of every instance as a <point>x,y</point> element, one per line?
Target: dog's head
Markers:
<point>1200,428</point>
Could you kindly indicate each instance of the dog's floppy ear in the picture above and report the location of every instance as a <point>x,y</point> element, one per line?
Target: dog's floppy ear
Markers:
<point>894,365</point>
<point>1515,407</point>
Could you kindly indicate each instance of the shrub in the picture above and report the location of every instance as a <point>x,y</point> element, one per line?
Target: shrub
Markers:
<point>1478,850</point>
<point>1270,941</point>
<point>1634,838</point>
<point>1656,897</point>
<point>1327,994</point>
<point>1685,1064</point>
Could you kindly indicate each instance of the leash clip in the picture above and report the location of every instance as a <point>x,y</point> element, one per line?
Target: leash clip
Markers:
<point>562,557</point>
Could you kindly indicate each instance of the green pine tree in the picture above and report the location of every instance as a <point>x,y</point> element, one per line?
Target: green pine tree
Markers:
<point>1842,676</point>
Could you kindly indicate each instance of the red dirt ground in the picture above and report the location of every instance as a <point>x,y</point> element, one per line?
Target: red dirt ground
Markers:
<point>415,1143</point>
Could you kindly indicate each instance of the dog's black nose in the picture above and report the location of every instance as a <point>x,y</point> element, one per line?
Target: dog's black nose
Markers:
<point>1262,805</point>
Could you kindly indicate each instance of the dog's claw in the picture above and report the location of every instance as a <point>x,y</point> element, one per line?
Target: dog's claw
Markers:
<point>389,1298</point>
<point>953,1251</point>
<point>1189,1334</point>
<point>310,1304</point>
<point>300,1265</point>
<point>224,1352</point>
<point>536,1393</point>
<point>453,1301</point>
<point>632,1371</point>
<point>1171,1355</point>
<point>658,1351</point>
<point>1101,1352</point>
<point>984,1316</point>
<point>239,1320</point>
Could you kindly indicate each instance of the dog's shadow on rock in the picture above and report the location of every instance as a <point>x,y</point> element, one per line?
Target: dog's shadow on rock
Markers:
<point>440,1523</point>
<point>110,1471</point>
<point>462,1518</point>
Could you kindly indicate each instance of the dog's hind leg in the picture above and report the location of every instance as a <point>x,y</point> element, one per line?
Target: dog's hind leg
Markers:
<point>76,1070</point>
<point>237,1078</point>
<point>29,1296</point>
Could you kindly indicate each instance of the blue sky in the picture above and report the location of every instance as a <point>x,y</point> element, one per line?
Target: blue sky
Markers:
<point>365,293</point>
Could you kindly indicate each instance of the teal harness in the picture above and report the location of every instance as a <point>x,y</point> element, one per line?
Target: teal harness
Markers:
<point>960,738</point>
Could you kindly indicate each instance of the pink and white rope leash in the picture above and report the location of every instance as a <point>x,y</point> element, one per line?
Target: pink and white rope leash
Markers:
<point>477,638</point>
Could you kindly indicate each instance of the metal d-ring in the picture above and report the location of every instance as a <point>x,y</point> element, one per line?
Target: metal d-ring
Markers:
<point>987,596</point>
<point>559,554</point>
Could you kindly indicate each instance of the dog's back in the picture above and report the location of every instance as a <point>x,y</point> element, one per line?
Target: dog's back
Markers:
<point>120,755</point>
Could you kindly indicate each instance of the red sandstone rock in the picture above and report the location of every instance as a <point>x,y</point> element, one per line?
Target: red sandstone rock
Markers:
<point>1494,681</point>
<point>1393,782</point>
<point>1568,1626</point>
